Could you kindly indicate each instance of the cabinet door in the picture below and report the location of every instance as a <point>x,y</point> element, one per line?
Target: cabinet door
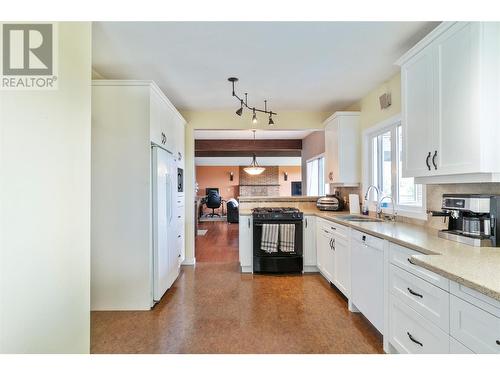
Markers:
<point>331,152</point>
<point>419,113</point>
<point>246,242</point>
<point>459,103</point>
<point>325,254</point>
<point>342,274</point>
<point>309,241</point>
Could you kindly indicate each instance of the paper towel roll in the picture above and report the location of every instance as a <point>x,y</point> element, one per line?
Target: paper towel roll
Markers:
<point>354,203</point>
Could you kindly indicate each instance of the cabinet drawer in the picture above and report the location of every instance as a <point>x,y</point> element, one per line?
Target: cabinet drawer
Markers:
<point>401,257</point>
<point>428,300</point>
<point>411,333</point>
<point>475,328</point>
<point>457,347</point>
<point>368,240</point>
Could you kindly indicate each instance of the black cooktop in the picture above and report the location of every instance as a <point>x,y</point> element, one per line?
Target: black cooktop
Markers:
<point>277,213</point>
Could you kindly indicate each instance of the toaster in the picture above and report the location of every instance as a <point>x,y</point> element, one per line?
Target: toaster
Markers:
<point>329,203</point>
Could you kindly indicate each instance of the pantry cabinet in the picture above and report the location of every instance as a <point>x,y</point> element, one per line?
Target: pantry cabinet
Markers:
<point>450,86</point>
<point>342,149</point>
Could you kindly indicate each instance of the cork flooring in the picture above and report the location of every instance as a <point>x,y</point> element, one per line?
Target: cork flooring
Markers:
<point>212,308</point>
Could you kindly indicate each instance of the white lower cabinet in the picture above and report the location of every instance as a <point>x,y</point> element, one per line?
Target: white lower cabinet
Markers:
<point>428,300</point>
<point>325,255</point>
<point>475,328</point>
<point>411,333</point>
<point>309,246</point>
<point>246,243</point>
<point>342,266</point>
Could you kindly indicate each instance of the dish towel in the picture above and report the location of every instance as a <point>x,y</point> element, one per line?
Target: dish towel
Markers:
<point>269,240</point>
<point>287,238</point>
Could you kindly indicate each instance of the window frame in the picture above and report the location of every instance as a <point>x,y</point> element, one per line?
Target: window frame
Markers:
<point>391,124</point>
<point>316,157</point>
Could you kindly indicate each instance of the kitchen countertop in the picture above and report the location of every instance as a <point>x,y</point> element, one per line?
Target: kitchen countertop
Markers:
<point>475,267</point>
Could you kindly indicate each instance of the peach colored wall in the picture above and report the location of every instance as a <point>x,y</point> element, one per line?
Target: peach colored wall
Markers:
<point>218,177</point>
<point>294,174</point>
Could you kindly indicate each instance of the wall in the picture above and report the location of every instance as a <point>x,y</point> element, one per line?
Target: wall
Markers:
<point>312,145</point>
<point>294,174</point>
<point>285,120</point>
<point>45,207</point>
<point>218,176</point>
<point>369,105</point>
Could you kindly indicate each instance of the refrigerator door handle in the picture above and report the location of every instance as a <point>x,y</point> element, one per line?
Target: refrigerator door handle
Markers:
<point>168,201</point>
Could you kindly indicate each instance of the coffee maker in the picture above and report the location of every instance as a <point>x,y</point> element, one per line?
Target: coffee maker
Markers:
<point>472,219</point>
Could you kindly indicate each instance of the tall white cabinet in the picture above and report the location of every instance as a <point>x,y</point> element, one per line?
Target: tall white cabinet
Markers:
<point>127,118</point>
<point>342,149</point>
<point>450,85</point>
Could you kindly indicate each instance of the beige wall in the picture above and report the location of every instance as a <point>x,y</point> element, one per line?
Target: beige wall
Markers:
<point>285,120</point>
<point>371,114</point>
<point>45,207</point>
<point>312,145</point>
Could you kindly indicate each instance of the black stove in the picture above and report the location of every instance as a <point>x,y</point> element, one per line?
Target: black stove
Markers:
<point>277,214</point>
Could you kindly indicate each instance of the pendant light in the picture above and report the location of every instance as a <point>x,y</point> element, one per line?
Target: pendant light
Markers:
<point>254,168</point>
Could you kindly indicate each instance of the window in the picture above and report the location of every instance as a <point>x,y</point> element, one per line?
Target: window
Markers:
<point>385,150</point>
<point>316,176</point>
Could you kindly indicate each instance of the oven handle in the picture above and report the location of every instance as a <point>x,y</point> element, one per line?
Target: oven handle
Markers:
<point>259,225</point>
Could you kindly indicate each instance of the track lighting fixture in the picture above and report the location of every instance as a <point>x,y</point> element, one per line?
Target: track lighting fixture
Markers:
<point>240,110</point>
<point>244,103</point>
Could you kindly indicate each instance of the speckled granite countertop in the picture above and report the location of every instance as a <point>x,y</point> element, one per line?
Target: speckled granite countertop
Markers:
<point>475,267</point>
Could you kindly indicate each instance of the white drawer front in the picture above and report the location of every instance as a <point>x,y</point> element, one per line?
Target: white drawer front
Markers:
<point>457,347</point>
<point>331,227</point>
<point>411,333</point>
<point>400,256</point>
<point>475,328</point>
<point>428,300</point>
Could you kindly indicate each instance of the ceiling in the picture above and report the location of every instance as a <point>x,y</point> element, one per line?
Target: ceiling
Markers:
<point>319,66</point>
<point>248,134</point>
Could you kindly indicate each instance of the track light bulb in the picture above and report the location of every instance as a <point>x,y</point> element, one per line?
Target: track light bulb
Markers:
<point>239,111</point>
<point>254,117</point>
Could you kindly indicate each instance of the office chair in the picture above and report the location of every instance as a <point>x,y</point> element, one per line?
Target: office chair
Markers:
<point>214,201</point>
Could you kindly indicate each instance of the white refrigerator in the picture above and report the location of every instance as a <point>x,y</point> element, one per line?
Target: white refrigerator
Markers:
<point>165,258</point>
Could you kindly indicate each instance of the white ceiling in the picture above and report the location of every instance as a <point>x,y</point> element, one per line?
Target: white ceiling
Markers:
<point>295,65</point>
<point>248,134</point>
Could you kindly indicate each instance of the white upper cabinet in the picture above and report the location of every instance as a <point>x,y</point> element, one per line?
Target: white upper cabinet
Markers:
<point>450,85</point>
<point>342,149</point>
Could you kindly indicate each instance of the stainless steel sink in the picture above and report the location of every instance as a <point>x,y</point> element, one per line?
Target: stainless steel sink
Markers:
<point>358,218</point>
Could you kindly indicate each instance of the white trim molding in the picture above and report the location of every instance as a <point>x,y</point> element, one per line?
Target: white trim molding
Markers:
<point>402,210</point>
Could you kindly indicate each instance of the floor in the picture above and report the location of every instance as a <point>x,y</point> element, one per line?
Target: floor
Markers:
<point>212,308</point>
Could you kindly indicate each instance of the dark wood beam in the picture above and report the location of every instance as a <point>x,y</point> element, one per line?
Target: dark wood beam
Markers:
<point>213,145</point>
<point>218,153</point>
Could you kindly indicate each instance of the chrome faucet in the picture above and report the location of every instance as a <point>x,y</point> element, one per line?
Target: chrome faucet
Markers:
<point>372,187</point>
<point>379,209</point>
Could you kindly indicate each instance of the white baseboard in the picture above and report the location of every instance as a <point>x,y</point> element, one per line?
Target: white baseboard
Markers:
<point>308,269</point>
<point>189,262</point>
<point>247,269</point>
